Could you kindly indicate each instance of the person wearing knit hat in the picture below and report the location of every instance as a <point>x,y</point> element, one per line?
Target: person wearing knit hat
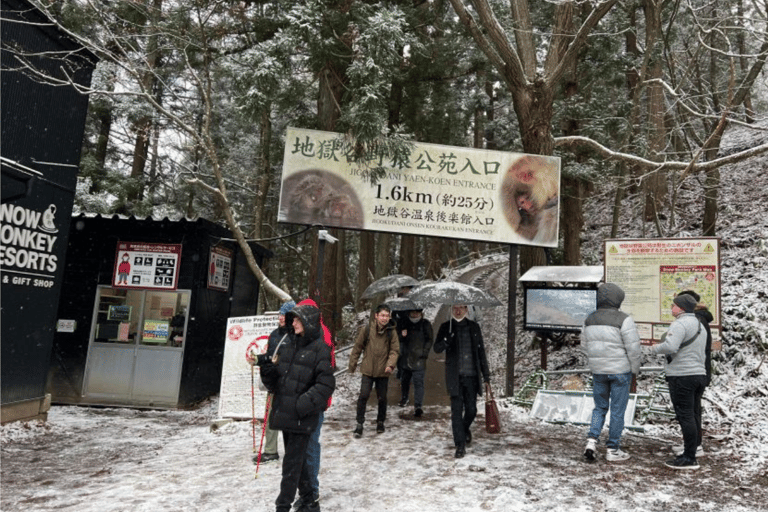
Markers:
<point>270,437</point>
<point>685,302</point>
<point>286,307</point>
<point>684,345</point>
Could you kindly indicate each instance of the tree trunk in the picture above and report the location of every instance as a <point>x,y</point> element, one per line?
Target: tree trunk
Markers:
<point>383,255</point>
<point>407,262</point>
<point>150,85</point>
<point>367,261</point>
<point>105,127</point>
<point>655,183</point>
<point>329,100</point>
<point>263,174</point>
<point>572,216</point>
<point>533,106</point>
<point>434,263</point>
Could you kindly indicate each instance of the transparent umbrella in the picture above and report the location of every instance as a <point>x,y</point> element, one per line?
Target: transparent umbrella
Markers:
<point>388,284</point>
<point>402,304</point>
<point>450,293</point>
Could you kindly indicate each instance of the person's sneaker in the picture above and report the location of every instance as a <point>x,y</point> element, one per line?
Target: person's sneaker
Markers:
<point>468,436</point>
<point>359,430</point>
<point>616,455</point>
<point>309,507</point>
<point>680,449</point>
<point>460,452</point>
<point>299,504</point>
<point>418,412</point>
<point>403,402</point>
<point>379,427</point>
<point>682,463</point>
<point>591,449</point>
<point>268,457</point>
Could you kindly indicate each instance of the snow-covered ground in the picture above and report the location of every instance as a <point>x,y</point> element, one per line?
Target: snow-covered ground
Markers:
<point>106,459</point>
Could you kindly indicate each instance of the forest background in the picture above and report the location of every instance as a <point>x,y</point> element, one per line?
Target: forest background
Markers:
<point>190,101</point>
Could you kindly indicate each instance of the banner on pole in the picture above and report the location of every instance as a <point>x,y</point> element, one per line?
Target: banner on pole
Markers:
<point>434,190</point>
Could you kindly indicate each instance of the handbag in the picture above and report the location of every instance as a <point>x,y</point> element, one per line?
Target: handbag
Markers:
<point>492,425</point>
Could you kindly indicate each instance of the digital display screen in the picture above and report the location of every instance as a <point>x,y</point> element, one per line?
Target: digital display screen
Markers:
<point>558,309</point>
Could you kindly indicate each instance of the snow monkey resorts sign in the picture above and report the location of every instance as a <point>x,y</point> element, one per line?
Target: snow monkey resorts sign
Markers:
<point>652,271</point>
<point>443,191</point>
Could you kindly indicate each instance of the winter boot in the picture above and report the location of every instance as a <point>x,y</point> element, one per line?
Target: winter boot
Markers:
<point>359,430</point>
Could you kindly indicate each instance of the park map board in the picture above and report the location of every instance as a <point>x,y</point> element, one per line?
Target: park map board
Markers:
<point>652,271</point>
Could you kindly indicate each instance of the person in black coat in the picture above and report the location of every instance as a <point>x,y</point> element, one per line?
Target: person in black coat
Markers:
<point>415,343</point>
<point>466,369</point>
<point>301,381</point>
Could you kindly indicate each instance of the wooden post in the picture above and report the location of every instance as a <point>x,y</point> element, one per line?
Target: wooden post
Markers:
<point>511,315</point>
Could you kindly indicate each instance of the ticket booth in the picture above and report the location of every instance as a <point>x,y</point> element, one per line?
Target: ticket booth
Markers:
<point>142,317</point>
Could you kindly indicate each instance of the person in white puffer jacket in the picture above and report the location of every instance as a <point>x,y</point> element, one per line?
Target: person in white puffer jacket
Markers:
<point>611,342</point>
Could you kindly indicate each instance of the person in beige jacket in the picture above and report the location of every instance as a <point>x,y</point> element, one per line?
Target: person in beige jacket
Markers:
<point>380,346</point>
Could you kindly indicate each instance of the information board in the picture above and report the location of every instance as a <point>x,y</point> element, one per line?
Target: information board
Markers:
<point>235,399</point>
<point>220,268</point>
<point>652,271</point>
<point>147,266</point>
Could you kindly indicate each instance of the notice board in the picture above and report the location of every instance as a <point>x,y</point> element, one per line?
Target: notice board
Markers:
<point>652,271</point>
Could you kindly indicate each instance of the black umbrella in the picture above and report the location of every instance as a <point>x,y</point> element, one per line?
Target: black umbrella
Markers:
<point>388,284</point>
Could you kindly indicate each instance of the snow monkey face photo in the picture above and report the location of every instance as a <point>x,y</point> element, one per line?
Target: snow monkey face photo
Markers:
<point>530,196</point>
<point>319,197</point>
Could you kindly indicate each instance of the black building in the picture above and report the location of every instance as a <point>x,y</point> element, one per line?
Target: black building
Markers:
<point>42,125</point>
<point>143,312</point>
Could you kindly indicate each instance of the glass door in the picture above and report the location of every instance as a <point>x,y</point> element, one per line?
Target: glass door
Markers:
<point>136,348</point>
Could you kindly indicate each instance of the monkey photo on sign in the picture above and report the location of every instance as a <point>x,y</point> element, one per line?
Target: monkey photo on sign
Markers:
<point>319,197</point>
<point>529,194</point>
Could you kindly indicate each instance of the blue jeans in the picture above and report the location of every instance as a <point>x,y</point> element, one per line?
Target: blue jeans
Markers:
<point>313,457</point>
<point>610,390</point>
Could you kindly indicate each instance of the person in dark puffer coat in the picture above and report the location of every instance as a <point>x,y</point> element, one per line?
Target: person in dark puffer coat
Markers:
<point>302,382</point>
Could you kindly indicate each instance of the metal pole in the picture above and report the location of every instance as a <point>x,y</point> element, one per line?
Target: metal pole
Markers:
<point>511,315</point>
<point>319,275</point>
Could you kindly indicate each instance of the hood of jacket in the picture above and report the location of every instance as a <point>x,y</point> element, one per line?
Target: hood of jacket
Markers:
<point>310,319</point>
<point>609,295</point>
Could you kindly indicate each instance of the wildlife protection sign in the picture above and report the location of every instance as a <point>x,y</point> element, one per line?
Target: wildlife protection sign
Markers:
<point>432,190</point>
<point>652,271</point>
<point>241,395</point>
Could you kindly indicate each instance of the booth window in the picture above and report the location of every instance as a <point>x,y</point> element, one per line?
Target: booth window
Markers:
<point>146,317</point>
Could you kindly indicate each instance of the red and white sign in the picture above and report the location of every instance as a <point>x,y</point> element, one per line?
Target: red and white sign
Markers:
<point>220,268</point>
<point>147,266</point>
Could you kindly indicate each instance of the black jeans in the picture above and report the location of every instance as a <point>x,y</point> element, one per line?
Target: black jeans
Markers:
<point>366,384</point>
<point>463,409</point>
<point>295,471</point>
<point>685,394</point>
